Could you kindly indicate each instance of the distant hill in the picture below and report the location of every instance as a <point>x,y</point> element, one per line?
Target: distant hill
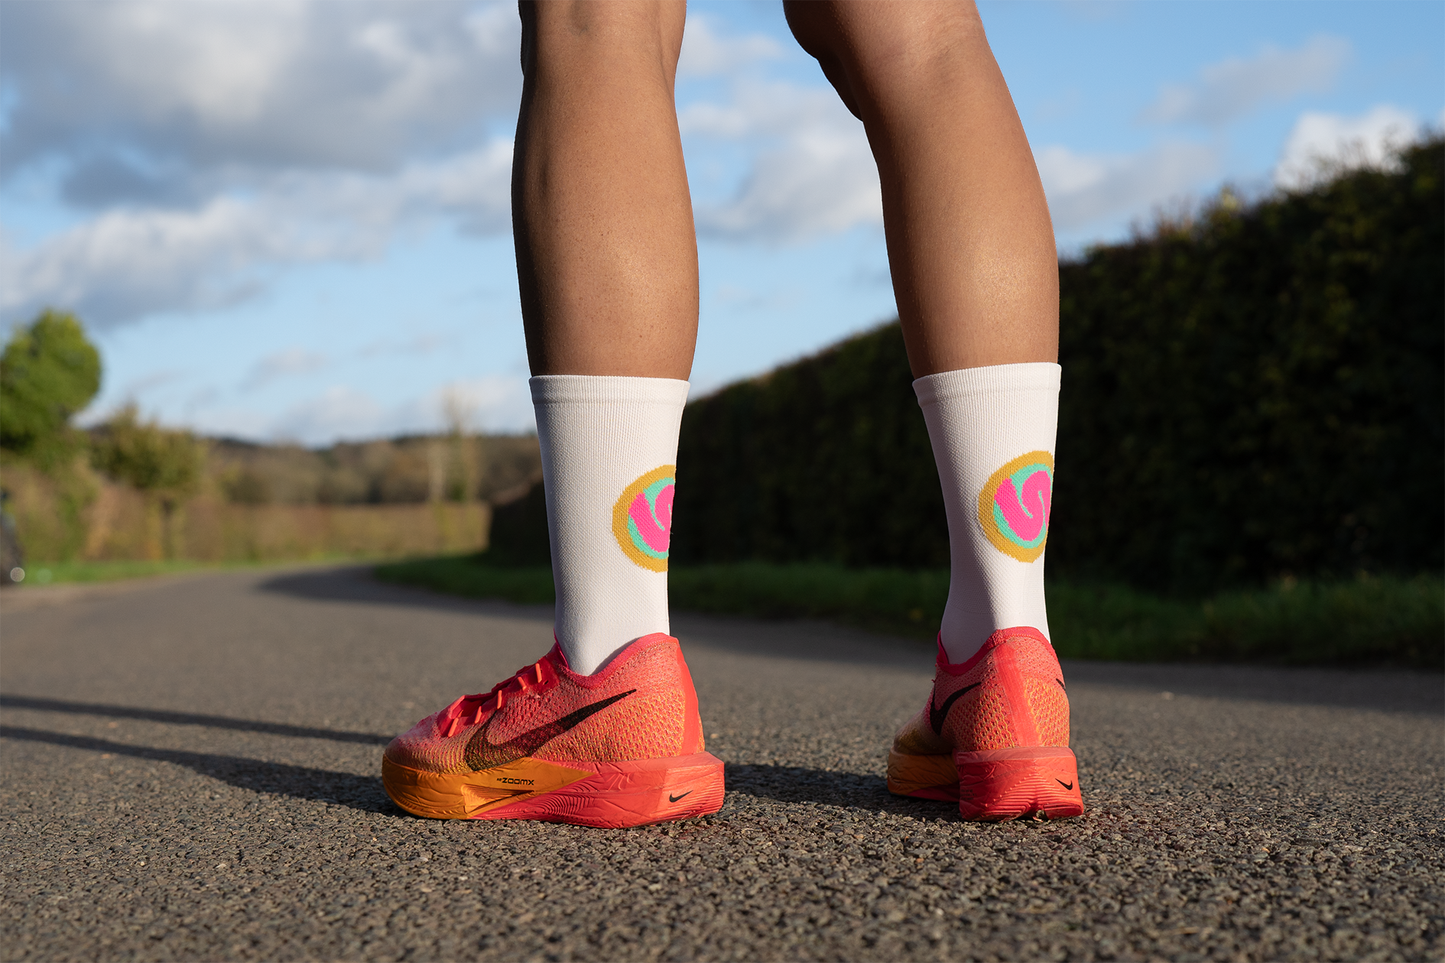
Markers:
<point>409,469</point>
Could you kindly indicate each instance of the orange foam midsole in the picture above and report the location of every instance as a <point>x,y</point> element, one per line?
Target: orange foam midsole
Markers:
<point>634,792</point>
<point>926,777</point>
<point>1009,783</point>
<point>993,784</point>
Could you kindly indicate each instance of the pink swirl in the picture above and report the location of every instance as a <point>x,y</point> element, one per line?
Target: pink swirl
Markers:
<point>654,524</point>
<point>1026,516</point>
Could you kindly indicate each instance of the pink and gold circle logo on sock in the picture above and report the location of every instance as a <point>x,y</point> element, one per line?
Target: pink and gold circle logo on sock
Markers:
<point>642,518</point>
<point>1014,505</point>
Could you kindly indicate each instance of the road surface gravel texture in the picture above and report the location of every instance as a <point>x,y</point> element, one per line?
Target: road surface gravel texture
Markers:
<point>191,772</point>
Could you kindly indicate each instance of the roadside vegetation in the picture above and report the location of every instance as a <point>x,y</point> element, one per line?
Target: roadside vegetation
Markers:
<point>1380,621</point>
<point>1248,454</point>
<point>1249,458</point>
<point>128,494</point>
<point>1250,393</point>
<point>82,572</point>
<point>48,573</point>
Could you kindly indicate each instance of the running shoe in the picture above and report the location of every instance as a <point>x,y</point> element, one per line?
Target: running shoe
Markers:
<point>622,747</point>
<point>994,735</point>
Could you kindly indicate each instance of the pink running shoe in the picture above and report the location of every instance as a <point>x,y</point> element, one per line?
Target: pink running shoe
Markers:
<point>994,735</point>
<point>622,747</point>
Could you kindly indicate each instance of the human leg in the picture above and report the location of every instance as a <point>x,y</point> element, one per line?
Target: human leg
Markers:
<point>606,253</point>
<point>975,273</point>
<point>970,244</point>
<point>607,265</point>
<point>604,730</point>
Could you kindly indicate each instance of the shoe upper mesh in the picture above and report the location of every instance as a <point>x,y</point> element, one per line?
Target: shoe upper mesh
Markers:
<point>979,720</point>
<point>648,724</point>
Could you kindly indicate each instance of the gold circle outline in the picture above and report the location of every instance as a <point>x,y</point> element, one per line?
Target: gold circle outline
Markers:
<point>985,506</point>
<point>619,518</point>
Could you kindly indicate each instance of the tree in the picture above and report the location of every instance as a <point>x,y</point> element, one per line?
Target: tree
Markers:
<point>462,454</point>
<point>48,372</point>
<point>164,465</point>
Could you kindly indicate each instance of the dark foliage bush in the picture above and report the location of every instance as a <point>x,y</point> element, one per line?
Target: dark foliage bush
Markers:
<point>1259,394</point>
<point>519,531</point>
<point>1250,395</point>
<point>823,460</point>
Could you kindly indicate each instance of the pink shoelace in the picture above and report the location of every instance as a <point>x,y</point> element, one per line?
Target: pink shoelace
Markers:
<point>469,710</point>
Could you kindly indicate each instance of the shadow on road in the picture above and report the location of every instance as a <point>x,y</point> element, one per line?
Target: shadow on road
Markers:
<point>355,584</point>
<point>189,719</point>
<point>362,793</point>
<point>1390,690</point>
<point>790,638</point>
<point>848,789</point>
<point>865,793</point>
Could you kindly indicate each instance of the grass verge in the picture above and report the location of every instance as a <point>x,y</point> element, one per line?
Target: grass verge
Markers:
<point>52,573</point>
<point>1393,621</point>
<point>48,573</point>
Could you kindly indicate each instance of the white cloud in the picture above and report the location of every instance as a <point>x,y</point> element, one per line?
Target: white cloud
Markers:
<point>129,262</point>
<point>767,110</point>
<point>220,142</point>
<point>1320,143</point>
<point>1086,189</point>
<point>744,298</point>
<point>818,183</point>
<point>244,423</point>
<point>494,403</point>
<point>707,53</point>
<point>1233,87</point>
<point>812,170</point>
<point>279,364</point>
<point>226,86</point>
<point>338,412</point>
<point>136,387</point>
<point>419,344</point>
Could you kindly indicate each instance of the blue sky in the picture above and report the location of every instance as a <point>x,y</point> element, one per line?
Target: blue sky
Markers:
<point>289,220</point>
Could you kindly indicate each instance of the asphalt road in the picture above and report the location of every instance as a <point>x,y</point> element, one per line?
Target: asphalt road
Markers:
<point>190,772</point>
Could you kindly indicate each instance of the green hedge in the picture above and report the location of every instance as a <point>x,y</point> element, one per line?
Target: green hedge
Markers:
<point>1377,621</point>
<point>1260,394</point>
<point>824,460</point>
<point>518,535</point>
<point>1253,395</point>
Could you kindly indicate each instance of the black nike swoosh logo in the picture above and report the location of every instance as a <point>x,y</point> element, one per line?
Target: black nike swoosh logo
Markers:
<point>1066,785</point>
<point>672,798</point>
<point>937,716</point>
<point>482,753</point>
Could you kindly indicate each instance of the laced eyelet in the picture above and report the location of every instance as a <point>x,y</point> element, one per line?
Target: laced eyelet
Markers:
<point>455,716</point>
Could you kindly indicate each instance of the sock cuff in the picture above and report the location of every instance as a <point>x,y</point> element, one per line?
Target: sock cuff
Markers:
<point>607,390</point>
<point>991,379</point>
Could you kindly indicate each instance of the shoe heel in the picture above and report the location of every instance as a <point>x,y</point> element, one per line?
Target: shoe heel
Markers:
<point>1004,784</point>
<point>922,777</point>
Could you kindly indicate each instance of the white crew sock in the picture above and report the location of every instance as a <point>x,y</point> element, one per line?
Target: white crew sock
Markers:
<point>993,431</point>
<point>609,445</point>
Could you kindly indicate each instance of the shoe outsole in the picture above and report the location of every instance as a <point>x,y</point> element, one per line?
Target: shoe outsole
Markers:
<point>996,785</point>
<point>601,794</point>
